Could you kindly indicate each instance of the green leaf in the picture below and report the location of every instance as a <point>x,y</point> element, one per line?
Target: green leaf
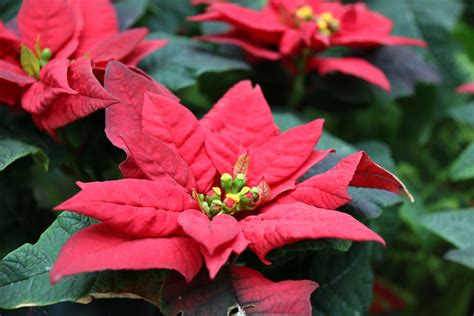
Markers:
<point>454,226</point>
<point>24,273</point>
<point>461,256</point>
<point>463,114</point>
<point>370,202</point>
<point>463,167</point>
<point>129,11</point>
<point>345,281</point>
<point>29,61</point>
<point>180,63</point>
<point>379,152</point>
<point>403,68</point>
<point>11,150</point>
<point>9,9</point>
<point>169,16</point>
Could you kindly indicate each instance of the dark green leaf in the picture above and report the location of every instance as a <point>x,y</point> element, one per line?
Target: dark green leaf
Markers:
<point>463,114</point>
<point>11,150</point>
<point>24,273</point>
<point>9,9</point>
<point>403,68</point>
<point>453,226</point>
<point>345,281</point>
<point>463,167</point>
<point>462,256</point>
<point>180,63</point>
<point>129,11</point>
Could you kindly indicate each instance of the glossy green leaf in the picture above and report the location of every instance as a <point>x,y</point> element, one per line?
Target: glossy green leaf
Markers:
<point>180,63</point>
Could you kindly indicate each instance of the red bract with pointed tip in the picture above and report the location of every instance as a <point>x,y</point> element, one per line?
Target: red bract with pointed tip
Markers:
<point>284,28</point>
<point>201,190</point>
<point>43,61</point>
<point>466,88</point>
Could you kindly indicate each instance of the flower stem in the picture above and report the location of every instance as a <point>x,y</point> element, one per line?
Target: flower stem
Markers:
<point>297,92</point>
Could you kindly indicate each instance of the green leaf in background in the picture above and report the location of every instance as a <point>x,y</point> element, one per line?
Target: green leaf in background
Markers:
<point>464,114</point>
<point>455,227</point>
<point>24,273</point>
<point>169,16</point>
<point>404,69</point>
<point>11,150</point>
<point>9,9</point>
<point>180,63</point>
<point>129,11</point>
<point>345,281</point>
<point>463,167</point>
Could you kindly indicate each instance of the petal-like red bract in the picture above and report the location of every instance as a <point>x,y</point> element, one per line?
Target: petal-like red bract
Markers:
<point>269,298</point>
<point>155,205</point>
<point>129,87</point>
<point>210,234</point>
<point>98,248</point>
<point>157,161</point>
<point>90,97</point>
<point>356,67</point>
<point>53,23</point>
<point>466,88</point>
<point>288,223</point>
<point>282,155</point>
<point>53,82</point>
<point>240,120</point>
<point>92,32</point>
<point>167,120</point>
<point>356,170</point>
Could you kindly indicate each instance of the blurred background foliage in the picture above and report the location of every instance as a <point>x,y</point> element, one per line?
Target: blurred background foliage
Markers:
<point>422,131</point>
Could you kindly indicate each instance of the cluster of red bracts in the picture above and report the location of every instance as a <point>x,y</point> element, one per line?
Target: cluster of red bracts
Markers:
<point>196,192</point>
<point>52,58</point>
<point>283,29</point>
<point>159,216</point>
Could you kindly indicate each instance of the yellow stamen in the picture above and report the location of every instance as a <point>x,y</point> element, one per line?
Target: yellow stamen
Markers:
<point>233,197</point>
<point>327,16</point>
<point>217,190</point>
<point>323,25</point>
<point>304,13</point>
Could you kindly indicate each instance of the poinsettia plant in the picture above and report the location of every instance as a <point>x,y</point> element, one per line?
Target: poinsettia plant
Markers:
<point>53,53</point>
<point>202,190</point>
<point>301,32</point>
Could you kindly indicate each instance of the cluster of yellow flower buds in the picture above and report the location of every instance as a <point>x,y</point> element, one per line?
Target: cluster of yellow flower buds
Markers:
<point>325,21</point>
<point>233,196</point>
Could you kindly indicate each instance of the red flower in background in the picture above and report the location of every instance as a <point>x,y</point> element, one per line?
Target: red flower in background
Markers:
<point>35,58</point>
<point>466,88</point>
<point>204,189</point>
<point>284,28</point>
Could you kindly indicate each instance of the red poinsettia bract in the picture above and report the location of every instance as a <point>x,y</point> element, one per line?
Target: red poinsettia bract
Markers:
<point>285,28</point>
<point>48,59</point>
<point>204,189</point>
<point>466,88</point>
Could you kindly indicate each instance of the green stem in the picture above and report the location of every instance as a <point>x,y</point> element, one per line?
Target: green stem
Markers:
<point>297,92</point>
